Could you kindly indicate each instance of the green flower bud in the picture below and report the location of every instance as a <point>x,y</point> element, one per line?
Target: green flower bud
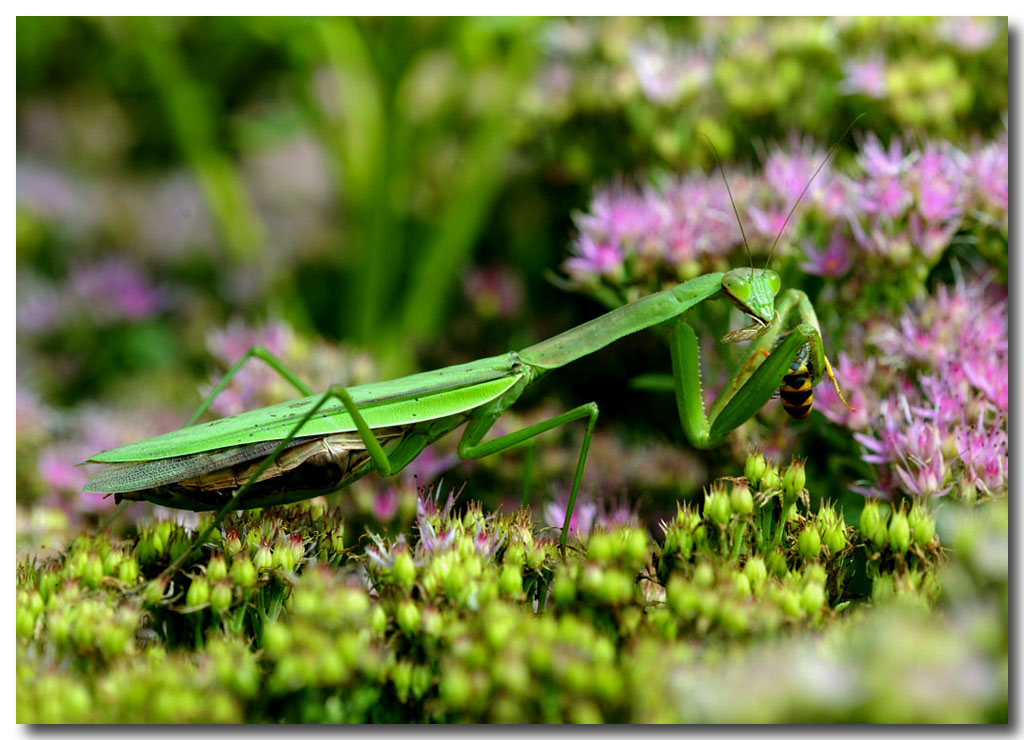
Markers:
<point>243,572</point>
<point>264,558</point>
<point>277,638</point>
<point>198,592</point>
<point>378,620</point>
<point>816,573</point>
<point>682,597</point>
<point>510,582</point>
<point>283,556</point>
<point>770,479</point>
<point>160,536</point>
<point>967,491</point>
<point>812,597</point>
<point>401,678</point>
<point>826,518</point>
<point>48,584</point>
<point>232,543</point>
<point>24,622</point>
<point>337,539</point>
<point>717,507</point>
<point>155,591</point>
<point>217,569</point>
<point>704,576</point>
<point>179,545</point>
<point>834,539</point>
<point>921,524</point>
<point>128,571</point>
<point>616,587</point>
<point>431,622</point>
<point>144,550</point>
<point>535,556</point>
<point>872,523</point>
<point>34,602</point>
<point>794,479</point>
<point>403,570</point>
<point>317,508</point>
<point>899,531</point>
<point>600,548</point>
<point>636,545</point>
<point>741,584</point>
<point>92,570</point>
<point>112,561</point>
<point>755,467</point>
<point>220,596</point>
<point>756,573</point>
<point>776,562</point>
<point>788,601</point>
<point>407,616</point>
<point>883,587</point>
<point>733,618</point>
<point>563,588</point>
<point>456,688</point>
<point>687,519</point>
<point>809,543</point>
<point>741,499</point>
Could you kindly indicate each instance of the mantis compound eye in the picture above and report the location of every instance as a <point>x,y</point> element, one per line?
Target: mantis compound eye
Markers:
<point>737,287</point>
<point>774,281</point>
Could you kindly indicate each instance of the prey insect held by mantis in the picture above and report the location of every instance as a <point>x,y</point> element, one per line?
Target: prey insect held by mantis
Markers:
<point>322,442</point>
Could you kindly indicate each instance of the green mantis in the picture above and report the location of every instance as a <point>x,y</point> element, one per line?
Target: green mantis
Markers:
<point>323,442</point>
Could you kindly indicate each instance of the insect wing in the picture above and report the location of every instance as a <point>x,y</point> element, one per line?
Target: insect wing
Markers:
<point>273,423</point>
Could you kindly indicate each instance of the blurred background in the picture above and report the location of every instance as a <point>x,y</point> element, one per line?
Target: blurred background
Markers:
<point>372,197</point>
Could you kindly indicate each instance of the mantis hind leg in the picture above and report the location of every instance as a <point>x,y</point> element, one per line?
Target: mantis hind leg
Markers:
<point>380,459</point>
<point>471,448</point>
<point>260,353</point>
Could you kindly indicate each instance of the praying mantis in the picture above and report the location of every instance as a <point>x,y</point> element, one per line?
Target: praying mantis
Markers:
<point>323,442</point>
<point>320,443</point>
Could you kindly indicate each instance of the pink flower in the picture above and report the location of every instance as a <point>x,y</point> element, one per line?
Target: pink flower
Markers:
<point>990,170</point>
<point>385,504</point>
<point>583,515</point>
<point>594,259</point>
<point>940,183</point>
<point>866,77</point>
<point>831,262</point>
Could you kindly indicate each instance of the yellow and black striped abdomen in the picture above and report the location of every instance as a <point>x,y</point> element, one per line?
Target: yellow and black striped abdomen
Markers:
<point>796,393</point>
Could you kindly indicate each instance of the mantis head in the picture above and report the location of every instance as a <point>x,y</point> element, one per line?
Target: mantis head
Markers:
<point>753,291</point>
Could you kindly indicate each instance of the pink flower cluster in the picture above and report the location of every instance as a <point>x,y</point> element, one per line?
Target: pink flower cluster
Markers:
<point>933,405</point>
<point>105,292</point>
<point>899,203</point>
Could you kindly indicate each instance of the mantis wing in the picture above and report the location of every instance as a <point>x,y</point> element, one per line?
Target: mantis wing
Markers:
<point>409,400</point>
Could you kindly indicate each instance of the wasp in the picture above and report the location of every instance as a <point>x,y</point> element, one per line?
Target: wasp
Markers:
<point>796,391</point>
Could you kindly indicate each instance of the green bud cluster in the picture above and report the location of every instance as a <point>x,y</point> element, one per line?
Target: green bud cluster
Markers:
<point>474,619</point>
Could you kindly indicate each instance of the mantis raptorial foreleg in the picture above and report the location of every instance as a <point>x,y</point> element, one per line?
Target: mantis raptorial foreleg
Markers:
<point>755,380</point>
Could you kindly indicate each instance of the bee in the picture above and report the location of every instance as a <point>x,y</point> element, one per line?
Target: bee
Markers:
<point>796,391</point>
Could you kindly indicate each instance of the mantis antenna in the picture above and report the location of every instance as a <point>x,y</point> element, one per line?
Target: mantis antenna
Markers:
<point>729,190</point>
<point>828,156</point>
